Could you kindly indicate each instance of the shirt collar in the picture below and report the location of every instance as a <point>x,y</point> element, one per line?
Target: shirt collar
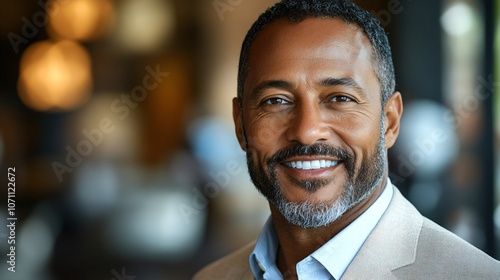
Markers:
<point>263,257</point>
<point>338,252</point>
<point>333,257</point>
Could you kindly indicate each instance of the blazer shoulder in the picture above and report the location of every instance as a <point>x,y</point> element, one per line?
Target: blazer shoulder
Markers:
<point>446,252</point>
<point>233,266</point>
<point>406,245</point>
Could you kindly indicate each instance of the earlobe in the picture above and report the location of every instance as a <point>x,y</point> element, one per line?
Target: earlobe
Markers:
<point>393,111</point>
<point>238,123</point>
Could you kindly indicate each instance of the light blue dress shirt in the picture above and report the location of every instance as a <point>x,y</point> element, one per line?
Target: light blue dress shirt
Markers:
<point>331,260</point>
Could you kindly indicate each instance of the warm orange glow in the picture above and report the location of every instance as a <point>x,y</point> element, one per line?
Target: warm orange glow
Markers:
<point>81,19</point>
<point>55,76</point>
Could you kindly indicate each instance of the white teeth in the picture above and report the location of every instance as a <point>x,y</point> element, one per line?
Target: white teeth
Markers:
<point>311,165</point>
<point>306,165</point>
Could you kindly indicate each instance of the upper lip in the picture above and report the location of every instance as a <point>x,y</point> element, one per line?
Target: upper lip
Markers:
<point>311,158</point>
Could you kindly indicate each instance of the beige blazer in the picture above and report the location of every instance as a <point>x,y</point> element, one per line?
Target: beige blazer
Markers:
<point>403,245</point>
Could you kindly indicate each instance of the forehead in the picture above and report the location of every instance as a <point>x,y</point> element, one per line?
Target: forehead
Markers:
<point>312,32</point>
<point>309,46</point>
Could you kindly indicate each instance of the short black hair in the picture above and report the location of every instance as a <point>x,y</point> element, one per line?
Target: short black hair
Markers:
<point>298,10</point>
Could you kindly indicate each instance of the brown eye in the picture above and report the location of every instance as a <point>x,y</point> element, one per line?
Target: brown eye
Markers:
<point>275,101</point>
<point>341,98</point>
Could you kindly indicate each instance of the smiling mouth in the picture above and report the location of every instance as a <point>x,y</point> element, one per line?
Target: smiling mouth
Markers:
<point>311,164</point>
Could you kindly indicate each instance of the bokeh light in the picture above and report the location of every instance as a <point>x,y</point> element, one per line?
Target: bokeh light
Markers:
<point>149,223</point>
<point>427,142</point>
<point>145,25</point>
<point>55,76</point>
<point>458,19</point>
<point>81,19</point>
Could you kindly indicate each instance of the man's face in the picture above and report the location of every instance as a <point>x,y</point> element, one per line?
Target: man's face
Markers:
<point>311,119</point>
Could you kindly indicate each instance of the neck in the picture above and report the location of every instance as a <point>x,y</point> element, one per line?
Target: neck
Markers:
<point>296,243</point>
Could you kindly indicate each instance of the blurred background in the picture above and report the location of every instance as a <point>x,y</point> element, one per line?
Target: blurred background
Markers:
<point>116,116</point>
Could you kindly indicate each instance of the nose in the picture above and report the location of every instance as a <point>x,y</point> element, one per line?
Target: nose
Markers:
<point>308,124</point>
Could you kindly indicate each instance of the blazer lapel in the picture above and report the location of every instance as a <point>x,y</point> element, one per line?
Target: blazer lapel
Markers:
<point>392,243</point>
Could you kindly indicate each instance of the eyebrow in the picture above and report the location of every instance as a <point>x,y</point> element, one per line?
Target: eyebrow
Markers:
<point>327,82</point>
<point>348,82</point>
<point>271,84</point>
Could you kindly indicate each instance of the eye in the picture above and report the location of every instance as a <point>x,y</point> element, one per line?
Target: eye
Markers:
<point>275,101</point>
<point>341,98</point>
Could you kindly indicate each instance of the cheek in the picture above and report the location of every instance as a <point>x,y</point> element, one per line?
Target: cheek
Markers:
<point>361,135</point>
<point>357,130</point>
<point>265,133</point>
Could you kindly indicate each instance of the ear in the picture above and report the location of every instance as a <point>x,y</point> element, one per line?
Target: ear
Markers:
<point>393,110</point>
<point>238,123</point>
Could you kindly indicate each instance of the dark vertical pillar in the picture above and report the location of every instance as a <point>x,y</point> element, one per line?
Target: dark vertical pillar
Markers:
<point>416,36</point>
<point>487,153</point>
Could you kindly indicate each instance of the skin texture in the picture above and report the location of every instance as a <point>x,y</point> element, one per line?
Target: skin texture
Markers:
<point>287,100</point>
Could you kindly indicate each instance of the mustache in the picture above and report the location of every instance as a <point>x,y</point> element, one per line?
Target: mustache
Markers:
<point>318,149</point>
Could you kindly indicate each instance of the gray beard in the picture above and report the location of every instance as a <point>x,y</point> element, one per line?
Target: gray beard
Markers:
<point>306,214</point>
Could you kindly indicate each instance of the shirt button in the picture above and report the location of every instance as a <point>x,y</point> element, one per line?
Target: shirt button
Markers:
<point>261,267</point>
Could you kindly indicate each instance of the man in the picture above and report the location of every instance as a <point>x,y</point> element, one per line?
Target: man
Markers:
<point>316,112</point>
